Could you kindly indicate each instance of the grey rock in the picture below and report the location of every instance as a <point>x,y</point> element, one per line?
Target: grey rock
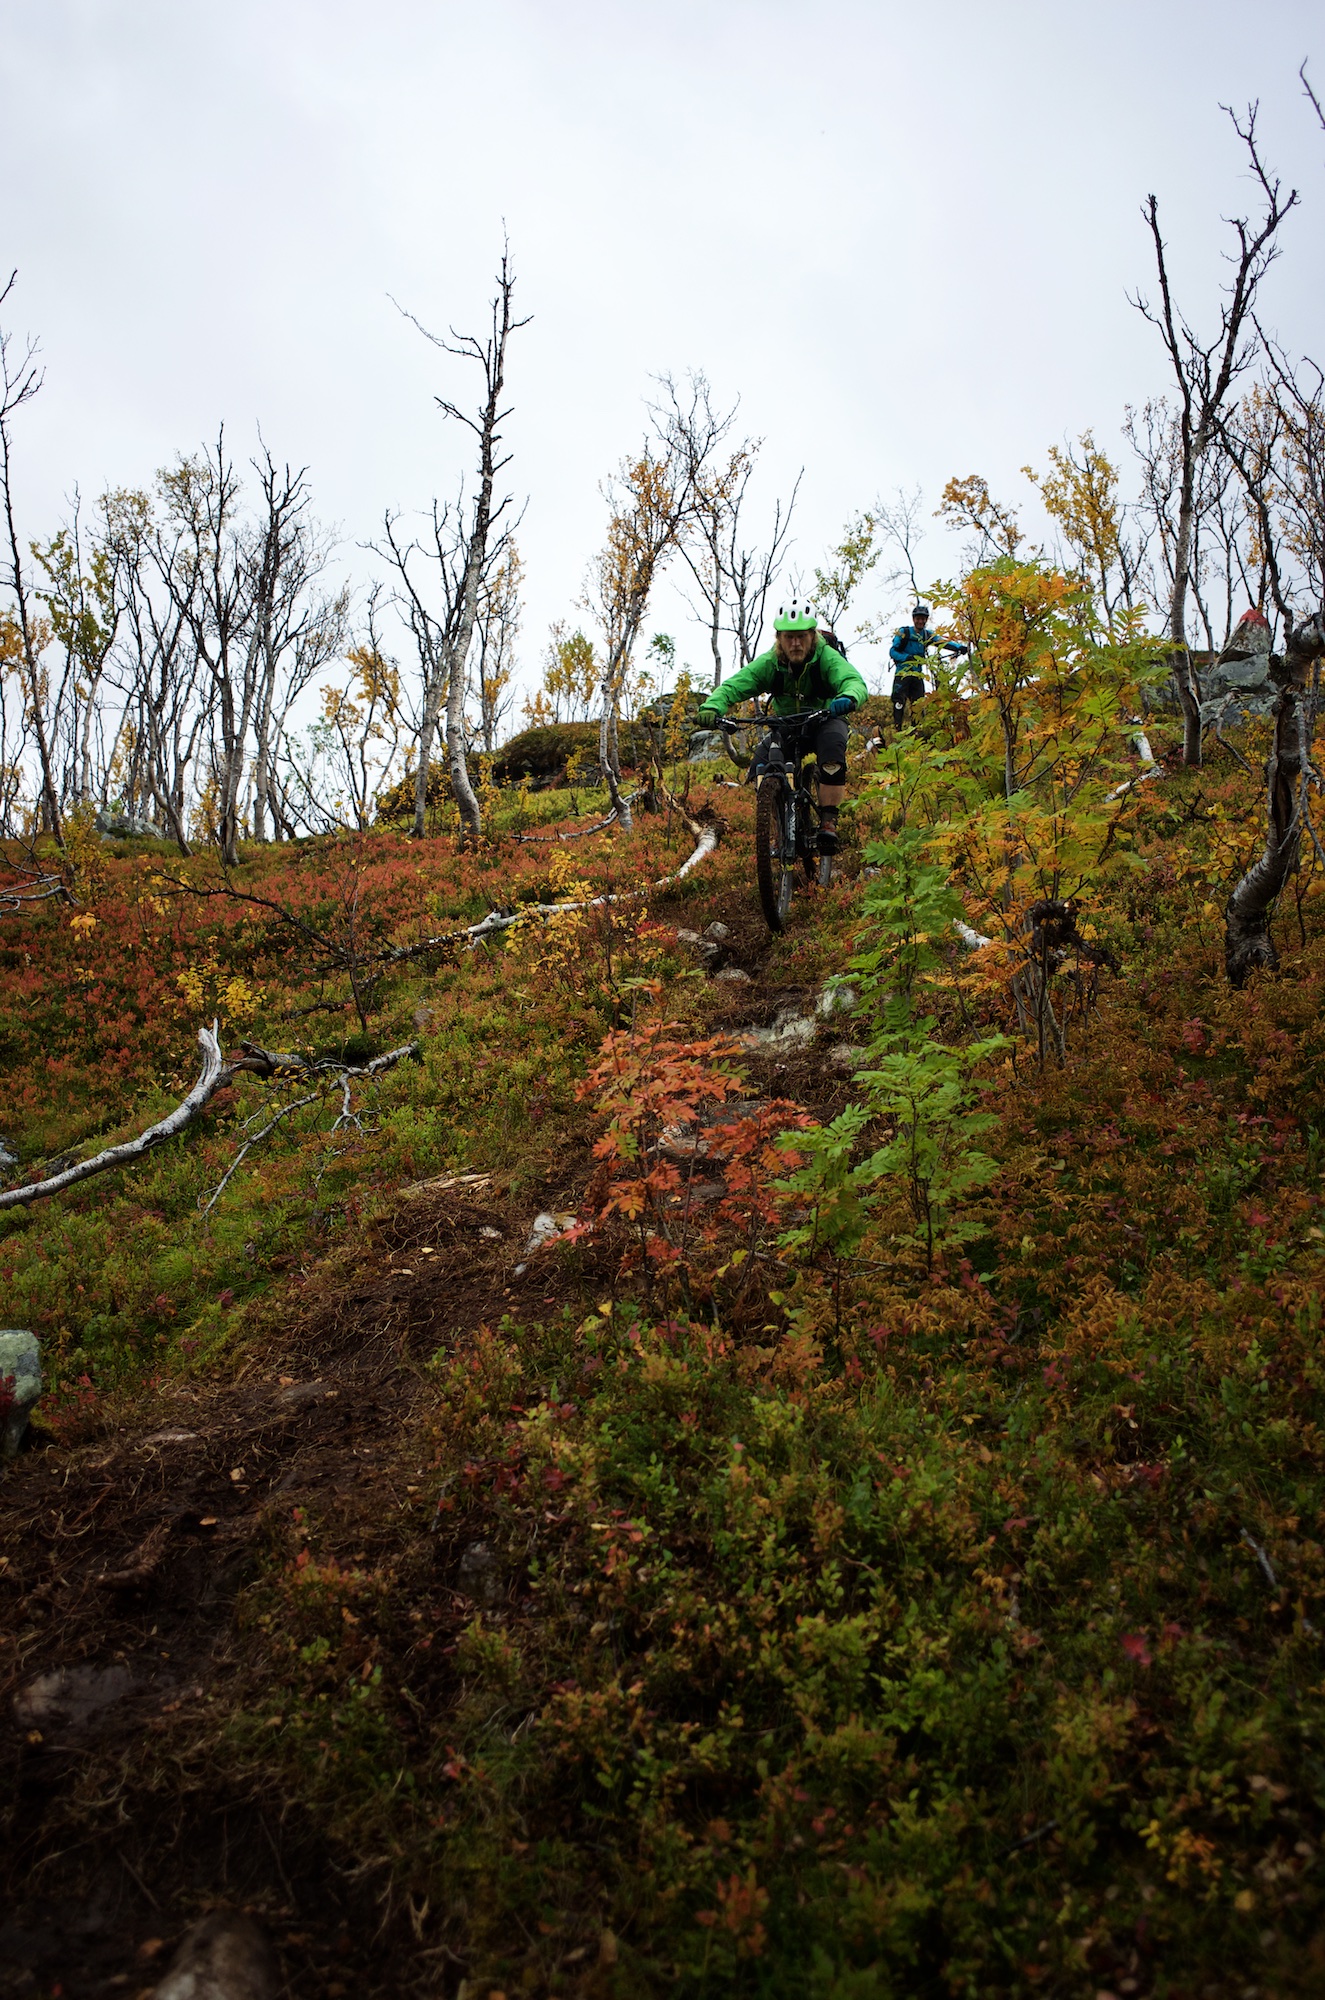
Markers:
<point>125,826</point>
<point>548,1226</point>
<point>718,932</point>
<point>20,1384</point>
<point>1237,684</point>
<point>790,1030</point>
<point>734,974</point>
<point>295,1394</point>
<point>835,1000</point>
<point>8,1159</point>
<point>71,1695</point>
<point>707,746</point>
<point>1232,705</point>
<point>846,1055</point>
<point>479,1577</point>
<point>225,1957</point>
<point>1242,673</point>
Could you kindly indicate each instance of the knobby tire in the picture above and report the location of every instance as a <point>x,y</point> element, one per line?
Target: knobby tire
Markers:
<point>776,878</point>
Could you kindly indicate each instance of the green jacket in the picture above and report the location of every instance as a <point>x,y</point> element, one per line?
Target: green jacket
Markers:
<point>824,676</point>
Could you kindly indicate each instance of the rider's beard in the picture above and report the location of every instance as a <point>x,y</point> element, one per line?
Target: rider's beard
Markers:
<point>785,655</point>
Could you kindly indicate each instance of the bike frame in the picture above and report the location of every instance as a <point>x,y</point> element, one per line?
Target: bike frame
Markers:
<point>786,812</point>
<point>787,762</point>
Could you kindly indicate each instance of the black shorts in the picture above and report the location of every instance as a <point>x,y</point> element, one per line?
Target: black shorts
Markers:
<point>907,687</point>
<point>830,747</point>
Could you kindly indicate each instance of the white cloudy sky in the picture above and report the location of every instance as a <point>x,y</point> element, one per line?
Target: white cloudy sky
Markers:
<point>901,233</point>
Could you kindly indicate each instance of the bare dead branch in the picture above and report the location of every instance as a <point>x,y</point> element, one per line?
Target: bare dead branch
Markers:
<point>215,1072</point>
<point>706,841</point>
<point>248,1145</point>
<point>1315,101</point>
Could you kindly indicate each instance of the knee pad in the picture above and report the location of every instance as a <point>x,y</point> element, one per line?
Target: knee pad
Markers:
<point>832,774</point>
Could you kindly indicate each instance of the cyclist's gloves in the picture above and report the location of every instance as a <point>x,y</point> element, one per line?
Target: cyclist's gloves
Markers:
<point>843,705</point>
<point>708,718</point>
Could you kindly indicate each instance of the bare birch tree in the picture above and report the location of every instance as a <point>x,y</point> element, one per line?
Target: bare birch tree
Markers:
<point>21,638</point>
<point>751,572</point>
<point>1205,373</point>
<point>464,561</point>
<point>695,432</point>
<point>156,668</point>
<point>496,628</point>
<point>654,498</point>
<point>649,500</point>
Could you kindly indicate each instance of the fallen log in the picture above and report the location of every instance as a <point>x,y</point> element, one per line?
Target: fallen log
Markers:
<point>216,1072</point>
<point>706,841</point>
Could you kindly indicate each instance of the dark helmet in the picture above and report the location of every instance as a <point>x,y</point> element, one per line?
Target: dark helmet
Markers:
<point>919,611</point>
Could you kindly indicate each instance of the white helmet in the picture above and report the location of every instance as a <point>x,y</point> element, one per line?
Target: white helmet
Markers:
<point>797,617</point>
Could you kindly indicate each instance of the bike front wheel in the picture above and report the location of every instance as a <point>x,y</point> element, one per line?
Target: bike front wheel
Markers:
<point>776,871</point>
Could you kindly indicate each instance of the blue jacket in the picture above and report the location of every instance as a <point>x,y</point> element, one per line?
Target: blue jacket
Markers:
<point>909,648</point>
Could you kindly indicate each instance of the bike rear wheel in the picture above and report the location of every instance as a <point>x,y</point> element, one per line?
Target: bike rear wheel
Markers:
<point>776,874</point>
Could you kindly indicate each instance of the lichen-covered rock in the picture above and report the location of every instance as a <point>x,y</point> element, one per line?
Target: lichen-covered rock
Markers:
<point>834,1000</point>
<point>1237,684</point>
<point>20,1384</point>
<point>125,826</point>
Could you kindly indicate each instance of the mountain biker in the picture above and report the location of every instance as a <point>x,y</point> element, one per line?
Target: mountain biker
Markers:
<point>801,671</point>
<point>909,649</point>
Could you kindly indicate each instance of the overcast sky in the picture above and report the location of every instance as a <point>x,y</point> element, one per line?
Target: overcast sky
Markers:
<point>902,235</point>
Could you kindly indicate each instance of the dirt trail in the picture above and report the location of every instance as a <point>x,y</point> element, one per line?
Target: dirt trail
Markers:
<point>121,1560</point>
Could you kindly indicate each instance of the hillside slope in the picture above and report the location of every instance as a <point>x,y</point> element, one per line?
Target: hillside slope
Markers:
<point>739,1595</point>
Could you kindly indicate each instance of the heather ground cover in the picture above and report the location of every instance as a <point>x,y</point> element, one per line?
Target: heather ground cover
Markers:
<point>758,1593</point>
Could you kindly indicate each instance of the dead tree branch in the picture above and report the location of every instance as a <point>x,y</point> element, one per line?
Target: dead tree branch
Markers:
<point>216,1072</point>
<point>707,837</point>
<point>33,884</point>
<point>1204,373</point>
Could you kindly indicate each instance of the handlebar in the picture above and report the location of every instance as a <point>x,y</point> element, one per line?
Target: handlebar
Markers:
<point>730,728</point>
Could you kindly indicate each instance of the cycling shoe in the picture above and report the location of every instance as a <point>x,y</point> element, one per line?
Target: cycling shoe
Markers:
<point>828,841</point>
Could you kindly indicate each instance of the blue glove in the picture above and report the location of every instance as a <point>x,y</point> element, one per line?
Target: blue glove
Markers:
<point>843,705</point>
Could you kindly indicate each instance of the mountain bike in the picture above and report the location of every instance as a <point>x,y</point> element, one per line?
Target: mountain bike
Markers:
<point>786,813</point>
